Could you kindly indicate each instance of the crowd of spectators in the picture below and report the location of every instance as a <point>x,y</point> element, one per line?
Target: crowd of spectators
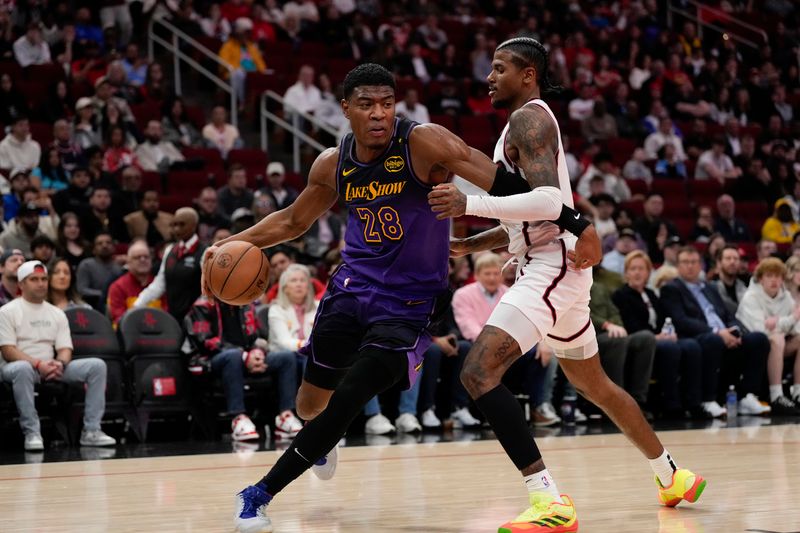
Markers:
<point>682,148</point>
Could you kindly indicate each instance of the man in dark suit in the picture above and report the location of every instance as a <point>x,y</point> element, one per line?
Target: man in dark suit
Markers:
<point>698,312</point>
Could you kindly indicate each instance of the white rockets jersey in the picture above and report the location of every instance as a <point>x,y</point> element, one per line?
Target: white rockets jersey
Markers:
<point>527,235</point>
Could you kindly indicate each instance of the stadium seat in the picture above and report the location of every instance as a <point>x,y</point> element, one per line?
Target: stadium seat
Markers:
<point>188,182</point>
<point>151,181</point>
<point>94,336</point>
<point>249,157</point>
<point>152,341</point>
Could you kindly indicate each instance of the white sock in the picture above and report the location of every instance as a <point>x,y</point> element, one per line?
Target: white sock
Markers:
<point>794,390</point>
<point>664,466</point>
<point>543,482</point>
<point>775,392</point>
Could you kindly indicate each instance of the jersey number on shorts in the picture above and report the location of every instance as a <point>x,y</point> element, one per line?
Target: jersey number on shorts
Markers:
<point>389,220</point>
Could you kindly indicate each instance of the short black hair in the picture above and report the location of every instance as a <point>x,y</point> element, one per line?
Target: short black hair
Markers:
<point>367,74</point>
<point>602,157</point>
<point>528,52</point>
<point>42,240</point>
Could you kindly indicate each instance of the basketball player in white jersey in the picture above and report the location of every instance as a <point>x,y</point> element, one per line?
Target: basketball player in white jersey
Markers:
<point>550,299</point>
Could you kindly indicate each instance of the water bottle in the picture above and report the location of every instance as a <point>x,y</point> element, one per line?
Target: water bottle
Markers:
<point>568,411</point>
<point>731,402</point>
<point>668,328</point>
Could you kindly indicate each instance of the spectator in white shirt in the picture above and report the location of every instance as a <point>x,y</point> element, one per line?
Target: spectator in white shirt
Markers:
<point>581,107</point>
<point>221,135</point>
<point>31,48</point>
<point>156,154</point>
<point>635,169</point>
<point>36,346</point>
<point>18,149</point>
<point>291,315</point>
<point>664,135</point>
<point>614,185</point>
<point>303,95</point>
<point>716,164</point>
<point>411,108</point>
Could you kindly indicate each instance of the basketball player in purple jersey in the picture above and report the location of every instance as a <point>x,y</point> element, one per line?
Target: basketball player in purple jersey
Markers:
<point>370,331</point>
<point>549,301</point>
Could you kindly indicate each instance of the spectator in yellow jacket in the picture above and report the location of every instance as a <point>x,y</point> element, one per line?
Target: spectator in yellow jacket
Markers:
<point>781,226</point>
<point>243,55</point>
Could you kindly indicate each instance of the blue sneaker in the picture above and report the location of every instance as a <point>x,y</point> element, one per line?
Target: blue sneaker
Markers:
<point>251,507</point>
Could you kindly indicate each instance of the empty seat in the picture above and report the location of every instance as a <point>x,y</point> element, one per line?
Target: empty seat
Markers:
<point>152,340</point>
<point>249,157</point>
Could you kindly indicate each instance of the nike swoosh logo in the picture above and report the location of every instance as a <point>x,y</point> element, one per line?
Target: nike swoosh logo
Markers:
<point>577,216</point>
<point>301,455</point>
<point>346,173</point>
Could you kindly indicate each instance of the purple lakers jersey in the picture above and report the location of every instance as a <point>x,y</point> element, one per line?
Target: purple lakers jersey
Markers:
<point>392,239</point>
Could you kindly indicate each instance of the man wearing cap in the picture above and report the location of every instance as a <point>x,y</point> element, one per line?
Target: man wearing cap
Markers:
<point>179,274</point>
<point>243,55</point>
<point>104,93</point>
<point>10,261</point>
<point>25,228</point>
<point>235,194</point>
<point>283,195</point>
<point>20,180</point>
<point>18,149</point>
<point>241,219</point>
<point>615,259</point>
<point>75,198</point>
<point>149,222</point>
<point>36,346</point>
<point>87,133</point>
<point>671,249</point>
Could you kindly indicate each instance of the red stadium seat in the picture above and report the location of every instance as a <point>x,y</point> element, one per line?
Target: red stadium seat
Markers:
<point>144,113</point>
<point>249,157</point>
<point>172,202</point>
<point>151,181</point>
<point>42,132</point>
<point>212,160</point>
<point>669,188</point>
<point>448,121</point>
<point>185,182</point>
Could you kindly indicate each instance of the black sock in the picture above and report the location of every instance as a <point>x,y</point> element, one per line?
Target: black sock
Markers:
<point>373,373</point>
<point>505,415</point>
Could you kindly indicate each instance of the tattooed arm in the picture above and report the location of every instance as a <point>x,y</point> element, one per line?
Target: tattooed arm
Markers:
<point>532,144</point>
<point>491,239</point>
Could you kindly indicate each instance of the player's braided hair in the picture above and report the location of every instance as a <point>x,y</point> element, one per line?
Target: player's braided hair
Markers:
<point>527,52</point>
<point>367,74</point>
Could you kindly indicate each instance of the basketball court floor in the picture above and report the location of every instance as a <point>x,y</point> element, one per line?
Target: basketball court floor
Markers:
<point>446,487</point>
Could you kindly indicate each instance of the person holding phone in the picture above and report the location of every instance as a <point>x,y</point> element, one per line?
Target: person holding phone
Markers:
<point>732,354</point>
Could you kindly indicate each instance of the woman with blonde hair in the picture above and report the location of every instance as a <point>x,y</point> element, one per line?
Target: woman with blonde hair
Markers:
<point>291,315</point>
<point>792,280</point>
<point>769,308</point>
<point>678,364</point>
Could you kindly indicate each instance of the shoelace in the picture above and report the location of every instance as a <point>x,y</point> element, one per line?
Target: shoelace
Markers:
<point>252,499</point>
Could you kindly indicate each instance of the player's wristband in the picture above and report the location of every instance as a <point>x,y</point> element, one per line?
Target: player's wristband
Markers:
<point>571,221</point>
<point>508,183</point>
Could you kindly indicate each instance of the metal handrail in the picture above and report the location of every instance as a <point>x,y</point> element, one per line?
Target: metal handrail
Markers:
<point>178,55</point>
<point>695,17</point>
<point>293,128</point>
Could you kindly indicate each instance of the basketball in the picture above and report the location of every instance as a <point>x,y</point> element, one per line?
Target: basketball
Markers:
<point>237,275</point>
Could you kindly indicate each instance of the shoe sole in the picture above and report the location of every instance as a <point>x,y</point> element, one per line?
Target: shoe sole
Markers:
<point>524,529</point>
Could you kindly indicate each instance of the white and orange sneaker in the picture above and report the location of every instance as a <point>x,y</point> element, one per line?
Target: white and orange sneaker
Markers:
<point>287,426</point>
<point>242,428</point>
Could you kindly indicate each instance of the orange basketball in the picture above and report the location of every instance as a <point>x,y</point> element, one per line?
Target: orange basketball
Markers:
<point>237,274</point>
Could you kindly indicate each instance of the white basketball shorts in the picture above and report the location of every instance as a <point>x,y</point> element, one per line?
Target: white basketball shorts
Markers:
<point>550,302</point>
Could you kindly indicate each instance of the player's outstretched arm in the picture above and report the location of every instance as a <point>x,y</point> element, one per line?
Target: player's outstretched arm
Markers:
<point>491,239</point>
<point>294,220</point>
